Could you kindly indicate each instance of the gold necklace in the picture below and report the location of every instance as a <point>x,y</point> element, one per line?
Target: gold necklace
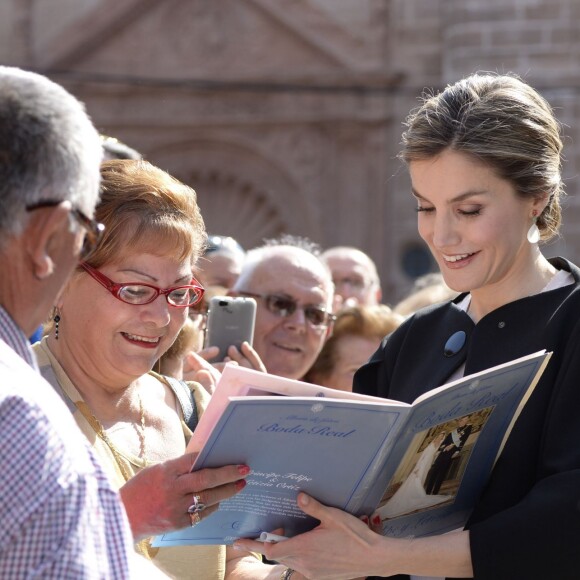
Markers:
<point>143,546</point>
<point>141,432</point>
<point>102,434</point>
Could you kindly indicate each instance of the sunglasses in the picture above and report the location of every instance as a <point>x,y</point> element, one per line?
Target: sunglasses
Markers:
<point>93,229</point>
<point>137,293</point>
<point>285,306</point>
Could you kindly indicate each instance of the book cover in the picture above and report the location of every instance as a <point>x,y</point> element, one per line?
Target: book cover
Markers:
<point>421,465</point>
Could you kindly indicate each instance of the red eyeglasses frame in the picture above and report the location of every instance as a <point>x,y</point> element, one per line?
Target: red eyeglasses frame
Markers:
<point>115,289</point>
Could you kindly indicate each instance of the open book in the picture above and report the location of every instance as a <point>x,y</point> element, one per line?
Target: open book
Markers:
<point>422,466</point>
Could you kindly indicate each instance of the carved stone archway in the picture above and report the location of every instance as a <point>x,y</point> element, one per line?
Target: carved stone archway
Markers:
<point>240,192</point>
<point>233,207</point>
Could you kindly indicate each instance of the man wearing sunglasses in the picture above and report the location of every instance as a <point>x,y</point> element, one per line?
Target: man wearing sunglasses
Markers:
<point>294,293</point>
<point>59,513</point>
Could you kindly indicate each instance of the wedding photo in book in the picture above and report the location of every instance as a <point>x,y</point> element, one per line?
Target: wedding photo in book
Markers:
<point>354,451</point>
<point>430,473</point>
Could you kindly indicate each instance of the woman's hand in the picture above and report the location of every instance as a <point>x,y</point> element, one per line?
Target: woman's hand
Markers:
<point>157,498</point>
<point>340,547</point>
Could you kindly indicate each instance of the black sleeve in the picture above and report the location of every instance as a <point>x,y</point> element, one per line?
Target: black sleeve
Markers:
<point>538,538</point>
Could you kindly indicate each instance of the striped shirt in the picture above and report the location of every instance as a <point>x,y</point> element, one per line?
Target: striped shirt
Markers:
<point>59,515</point>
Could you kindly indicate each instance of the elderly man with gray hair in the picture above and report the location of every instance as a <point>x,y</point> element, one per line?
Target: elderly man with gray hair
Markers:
<point>294,292</point>
<point>59,515</point>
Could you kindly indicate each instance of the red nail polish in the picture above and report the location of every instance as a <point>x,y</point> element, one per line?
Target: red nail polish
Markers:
<point>376,520</point>
<point>365,519</point>
<point>243,469</point>
<point>240,484</point>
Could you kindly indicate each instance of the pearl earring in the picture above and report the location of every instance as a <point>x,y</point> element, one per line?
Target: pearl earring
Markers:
<point>534,233</point>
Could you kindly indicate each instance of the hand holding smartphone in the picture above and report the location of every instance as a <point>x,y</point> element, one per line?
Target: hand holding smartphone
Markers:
<point>230,321</point>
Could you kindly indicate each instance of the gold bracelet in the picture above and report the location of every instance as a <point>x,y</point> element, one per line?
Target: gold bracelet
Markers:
<point>286,574</point>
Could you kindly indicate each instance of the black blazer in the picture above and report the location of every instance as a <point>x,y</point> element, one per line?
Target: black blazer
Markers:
<point>526,525</point>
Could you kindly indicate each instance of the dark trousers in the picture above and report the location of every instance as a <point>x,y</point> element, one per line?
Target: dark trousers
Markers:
<point>438,472</point>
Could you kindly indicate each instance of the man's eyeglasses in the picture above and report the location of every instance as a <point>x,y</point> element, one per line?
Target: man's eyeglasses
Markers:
<point>285,306</point>
<point>93,229</point>
<point>137,293</point>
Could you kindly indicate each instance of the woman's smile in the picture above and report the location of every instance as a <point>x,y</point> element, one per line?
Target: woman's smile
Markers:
<point>142,341</point>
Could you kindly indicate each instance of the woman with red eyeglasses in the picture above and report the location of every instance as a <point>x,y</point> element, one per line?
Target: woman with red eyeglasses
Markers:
<point>119,313</point>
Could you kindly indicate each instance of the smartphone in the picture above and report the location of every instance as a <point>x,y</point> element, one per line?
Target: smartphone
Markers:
<point>230,321</point>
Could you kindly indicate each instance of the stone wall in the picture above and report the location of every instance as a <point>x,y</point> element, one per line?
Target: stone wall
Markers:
<point>286,115</point>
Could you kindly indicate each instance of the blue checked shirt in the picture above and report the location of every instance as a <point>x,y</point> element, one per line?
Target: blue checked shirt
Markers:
<point>59,516</point>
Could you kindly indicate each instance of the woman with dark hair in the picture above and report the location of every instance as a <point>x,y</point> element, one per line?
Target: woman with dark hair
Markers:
<point>484,158</point>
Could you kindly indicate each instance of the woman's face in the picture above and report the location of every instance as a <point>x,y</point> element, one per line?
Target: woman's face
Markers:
<point>473,222</point>
<point>117,342</point>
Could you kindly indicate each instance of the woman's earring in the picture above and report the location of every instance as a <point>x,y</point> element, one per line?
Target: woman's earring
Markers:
<point>56,320</point>
<point>534,232</point>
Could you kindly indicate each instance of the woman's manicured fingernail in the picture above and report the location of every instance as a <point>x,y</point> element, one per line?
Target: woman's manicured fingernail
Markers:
<point>243,469</point>
<point>240,484</point>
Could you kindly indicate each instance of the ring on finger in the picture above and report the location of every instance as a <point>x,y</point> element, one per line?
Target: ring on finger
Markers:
<point>195,518</point>
<point>197,505</point>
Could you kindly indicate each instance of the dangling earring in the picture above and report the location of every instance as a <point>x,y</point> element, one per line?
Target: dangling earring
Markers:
<point>534,232</point>
<point>56,320</point>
